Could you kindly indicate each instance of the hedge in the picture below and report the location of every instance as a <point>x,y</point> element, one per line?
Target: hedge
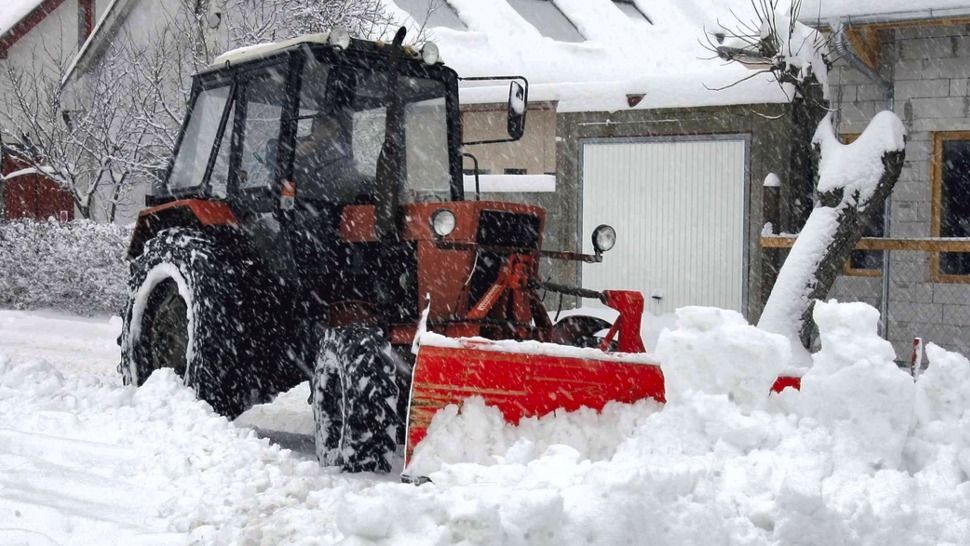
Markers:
<point>75,266</point>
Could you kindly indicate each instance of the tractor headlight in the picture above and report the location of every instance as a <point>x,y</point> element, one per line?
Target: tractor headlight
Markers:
<point>429,53</point>
<point>339,38</point>
<point>604,237</point>
<point>443,222</point>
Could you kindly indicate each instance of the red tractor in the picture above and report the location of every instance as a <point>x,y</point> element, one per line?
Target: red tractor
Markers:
<point>314,222</point>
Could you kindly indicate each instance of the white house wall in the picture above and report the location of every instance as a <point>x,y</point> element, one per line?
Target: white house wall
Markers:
<point>52,41</point>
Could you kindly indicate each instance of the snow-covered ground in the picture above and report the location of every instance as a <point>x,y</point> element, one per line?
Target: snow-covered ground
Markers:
<point>861,456</point>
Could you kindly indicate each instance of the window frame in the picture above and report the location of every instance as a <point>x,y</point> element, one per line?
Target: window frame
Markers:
<point>202,188</point>
<point>936,204</point>
<point>368,60</point>
<point>241,123</point>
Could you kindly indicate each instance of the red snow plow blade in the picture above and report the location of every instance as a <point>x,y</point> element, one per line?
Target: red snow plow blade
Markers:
<point>531,379</point>
<point>523,384</point>
<point>528,378</point>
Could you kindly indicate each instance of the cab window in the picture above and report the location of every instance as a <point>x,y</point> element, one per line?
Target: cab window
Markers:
<point>190,163</point>
<point>261,131</point>
<point>341,130</point>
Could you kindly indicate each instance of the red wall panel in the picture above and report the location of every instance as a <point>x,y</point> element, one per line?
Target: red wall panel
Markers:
<point>34,196</point>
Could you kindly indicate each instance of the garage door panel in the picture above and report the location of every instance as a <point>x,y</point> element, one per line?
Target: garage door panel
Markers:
<point>678,208</point>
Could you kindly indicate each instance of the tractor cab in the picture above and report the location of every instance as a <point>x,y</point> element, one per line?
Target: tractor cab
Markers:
<point>308,120</point>
<point>292,139</point>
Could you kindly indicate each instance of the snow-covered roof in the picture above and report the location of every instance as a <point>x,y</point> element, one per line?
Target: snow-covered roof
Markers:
<point>824,11</point>
<point>653,48</point>
<point>13,11</point>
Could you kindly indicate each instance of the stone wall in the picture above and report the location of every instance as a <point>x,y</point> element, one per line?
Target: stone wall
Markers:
<point>929,68</point>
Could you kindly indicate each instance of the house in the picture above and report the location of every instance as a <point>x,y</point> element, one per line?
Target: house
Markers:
<point>912,58</point>
<point>29,194</point>
<point>641,128</point>
<point>632,122</point>
<point>37,37</point>
<point>644,143</point>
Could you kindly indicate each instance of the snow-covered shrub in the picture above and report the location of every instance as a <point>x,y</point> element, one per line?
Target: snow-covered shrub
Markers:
<point>76,266</point>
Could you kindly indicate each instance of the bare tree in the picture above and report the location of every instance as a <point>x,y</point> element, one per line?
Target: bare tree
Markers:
<point>85,151</point>
<point>122,125</point>
<point>772,41</point>
<point>259,21</point>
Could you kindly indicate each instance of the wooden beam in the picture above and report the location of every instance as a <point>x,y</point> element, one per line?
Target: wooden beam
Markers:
<point>920,23</point>
<point>865,42</point>
<point>915,244</point>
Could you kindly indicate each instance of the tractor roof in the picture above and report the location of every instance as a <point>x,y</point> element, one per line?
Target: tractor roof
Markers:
<point>261,51</point>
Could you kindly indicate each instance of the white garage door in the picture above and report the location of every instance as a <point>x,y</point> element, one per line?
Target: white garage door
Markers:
<point>678,209</point>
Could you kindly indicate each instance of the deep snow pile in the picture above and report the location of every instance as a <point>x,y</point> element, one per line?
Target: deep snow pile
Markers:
<point>861,455</point>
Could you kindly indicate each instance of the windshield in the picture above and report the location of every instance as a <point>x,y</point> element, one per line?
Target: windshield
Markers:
<point>341,128</point>
<point>190,164</point>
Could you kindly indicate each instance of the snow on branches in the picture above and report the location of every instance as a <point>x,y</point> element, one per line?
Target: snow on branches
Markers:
<point>75,266</point>
<point>771,40</point>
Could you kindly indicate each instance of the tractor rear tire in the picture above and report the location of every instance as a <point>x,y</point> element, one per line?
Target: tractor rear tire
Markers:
<point>189,310</point>
<point>355,396</point>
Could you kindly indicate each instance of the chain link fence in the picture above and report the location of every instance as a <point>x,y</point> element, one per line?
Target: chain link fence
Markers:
<point>926,293</point>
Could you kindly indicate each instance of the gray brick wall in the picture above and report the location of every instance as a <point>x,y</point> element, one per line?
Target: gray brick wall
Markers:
<point>930,71</point>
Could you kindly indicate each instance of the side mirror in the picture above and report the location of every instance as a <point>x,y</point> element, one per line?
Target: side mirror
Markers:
<point>518,105</point>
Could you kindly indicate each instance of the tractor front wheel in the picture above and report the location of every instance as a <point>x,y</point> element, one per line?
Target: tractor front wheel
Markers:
<point>355,399</point>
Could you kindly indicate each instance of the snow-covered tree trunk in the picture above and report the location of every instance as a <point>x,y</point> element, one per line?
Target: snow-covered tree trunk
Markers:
<point>854,181</point>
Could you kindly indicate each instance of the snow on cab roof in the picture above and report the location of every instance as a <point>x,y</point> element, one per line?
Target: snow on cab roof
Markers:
<point>653,50</point>
<point>258,51</point>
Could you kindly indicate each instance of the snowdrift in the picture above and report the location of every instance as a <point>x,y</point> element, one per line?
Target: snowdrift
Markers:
<point>861,455</point>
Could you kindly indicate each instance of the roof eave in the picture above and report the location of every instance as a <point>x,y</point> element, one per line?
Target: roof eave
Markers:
<point>889,19</point>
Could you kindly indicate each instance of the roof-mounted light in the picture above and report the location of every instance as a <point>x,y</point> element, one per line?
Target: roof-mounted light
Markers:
<point>429,53</point>
<point>339,38</point>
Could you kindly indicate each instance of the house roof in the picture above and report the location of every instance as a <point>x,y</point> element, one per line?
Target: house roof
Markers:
<point>18,17</point>
<point>877,11</point>
<point>656,60</point>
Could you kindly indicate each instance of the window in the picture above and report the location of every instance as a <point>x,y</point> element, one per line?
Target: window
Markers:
<point>260,140</point>
<point>951,203</point>
<point>195,148</point>
<point>432,13</point>
<point>341,130</point>
<point>629,7</point>
<point>866,263</point>
<point>547,19</point>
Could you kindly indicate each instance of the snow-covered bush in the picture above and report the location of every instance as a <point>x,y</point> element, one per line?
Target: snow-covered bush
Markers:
<point>76,266</point>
